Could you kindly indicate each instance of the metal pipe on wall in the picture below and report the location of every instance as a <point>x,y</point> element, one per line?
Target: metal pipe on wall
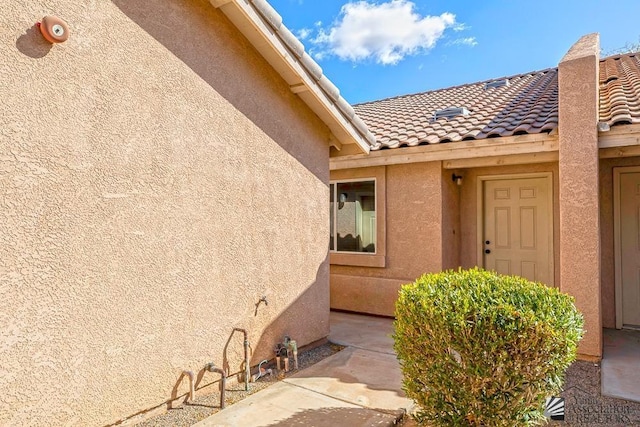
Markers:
<point>247,368</point>
<point>211,367</point>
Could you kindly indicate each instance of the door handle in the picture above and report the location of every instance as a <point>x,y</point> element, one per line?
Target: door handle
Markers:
<point>487,242</point>
<point>487,251</point>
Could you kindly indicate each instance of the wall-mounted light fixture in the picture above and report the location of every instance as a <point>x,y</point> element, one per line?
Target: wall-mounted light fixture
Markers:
<point>457,179</point>
<point>54,29</point>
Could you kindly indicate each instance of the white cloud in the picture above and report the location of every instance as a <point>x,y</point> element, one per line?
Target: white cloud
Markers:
<point>385,32</point>
<point>467,41</point>
<point>303,33</point>
<point>460,27</point>
<point>318,56</point>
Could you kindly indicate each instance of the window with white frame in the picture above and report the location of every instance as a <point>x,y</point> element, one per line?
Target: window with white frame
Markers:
<point>353,216</point>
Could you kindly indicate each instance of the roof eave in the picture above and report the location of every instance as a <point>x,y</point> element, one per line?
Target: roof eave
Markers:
<point>267,38</point>
<point>455,154</point>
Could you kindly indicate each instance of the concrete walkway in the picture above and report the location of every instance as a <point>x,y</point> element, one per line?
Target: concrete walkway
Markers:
<point>359,386</point>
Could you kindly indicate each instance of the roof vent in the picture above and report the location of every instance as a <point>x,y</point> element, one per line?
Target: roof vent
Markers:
<point>496,84</point>
<point>450,113</point>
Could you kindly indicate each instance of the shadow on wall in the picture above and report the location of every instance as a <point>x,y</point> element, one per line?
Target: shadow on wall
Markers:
<point>33,44</point>
<point>210,45</point>
<point>299,313</point>
<point>308,314</point>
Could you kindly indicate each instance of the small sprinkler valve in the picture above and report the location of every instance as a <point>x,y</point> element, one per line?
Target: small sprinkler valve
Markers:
<point>285,350</point>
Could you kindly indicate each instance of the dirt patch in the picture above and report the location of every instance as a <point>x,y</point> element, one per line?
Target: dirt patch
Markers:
<point>207,400</point>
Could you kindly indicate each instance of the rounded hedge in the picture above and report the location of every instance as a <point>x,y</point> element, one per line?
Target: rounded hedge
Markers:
<point>481,349</point>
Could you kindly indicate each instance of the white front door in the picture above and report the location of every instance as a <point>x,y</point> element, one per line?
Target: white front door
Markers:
<point>628,255</point>
<point>517,232</point>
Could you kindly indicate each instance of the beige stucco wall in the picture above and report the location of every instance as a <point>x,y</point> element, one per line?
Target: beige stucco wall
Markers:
<point>431,226</point>
<point>156,179</point>
<point>579,180</point>
<point>451,227</point>
<point>460,214</point>
<point>414,195</point>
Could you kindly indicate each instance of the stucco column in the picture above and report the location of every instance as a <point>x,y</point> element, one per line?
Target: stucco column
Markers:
<point>579,204</point>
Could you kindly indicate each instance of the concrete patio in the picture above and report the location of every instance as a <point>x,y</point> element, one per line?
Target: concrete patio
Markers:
<point>359,386</point>
<point>621,364</point>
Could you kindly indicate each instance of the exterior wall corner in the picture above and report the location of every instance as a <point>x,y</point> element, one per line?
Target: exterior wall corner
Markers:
<point>578,186</point>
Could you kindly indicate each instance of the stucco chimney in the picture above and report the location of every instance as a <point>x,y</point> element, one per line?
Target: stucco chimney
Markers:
<point>579,189</point>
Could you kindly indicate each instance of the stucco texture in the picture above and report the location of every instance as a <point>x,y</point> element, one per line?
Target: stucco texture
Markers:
<point>414,197</point>
<point>431,225</point>
<point>157,178</point>
<point>579,182</point>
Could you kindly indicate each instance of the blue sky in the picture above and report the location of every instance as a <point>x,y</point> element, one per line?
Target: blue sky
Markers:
<point>376,49</point>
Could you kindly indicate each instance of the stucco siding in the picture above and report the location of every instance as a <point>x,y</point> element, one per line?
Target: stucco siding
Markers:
<point>578,76</point>
<point>157,178</point>
<point>450,221</point>
<point>414,240</point>
<point>431,226</point>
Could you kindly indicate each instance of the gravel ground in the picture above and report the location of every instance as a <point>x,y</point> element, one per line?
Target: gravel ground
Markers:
<point>207,400</point>
<point>584,405</point>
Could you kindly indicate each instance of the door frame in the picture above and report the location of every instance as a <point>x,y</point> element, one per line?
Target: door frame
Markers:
<point>480,213</point>
<point>617,245</point>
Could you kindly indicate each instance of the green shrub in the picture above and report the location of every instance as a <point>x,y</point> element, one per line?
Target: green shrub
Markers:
<point>481,349</point>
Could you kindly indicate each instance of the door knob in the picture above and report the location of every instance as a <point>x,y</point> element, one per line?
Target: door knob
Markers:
<point>487,251</point>
<point>487,242</point>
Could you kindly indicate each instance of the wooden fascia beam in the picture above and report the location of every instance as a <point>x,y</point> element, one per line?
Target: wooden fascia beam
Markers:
<point>506,146</point>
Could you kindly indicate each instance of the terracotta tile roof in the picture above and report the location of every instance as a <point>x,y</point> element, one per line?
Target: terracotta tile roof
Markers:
<point>620,89</point>
<point>527,105</point>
